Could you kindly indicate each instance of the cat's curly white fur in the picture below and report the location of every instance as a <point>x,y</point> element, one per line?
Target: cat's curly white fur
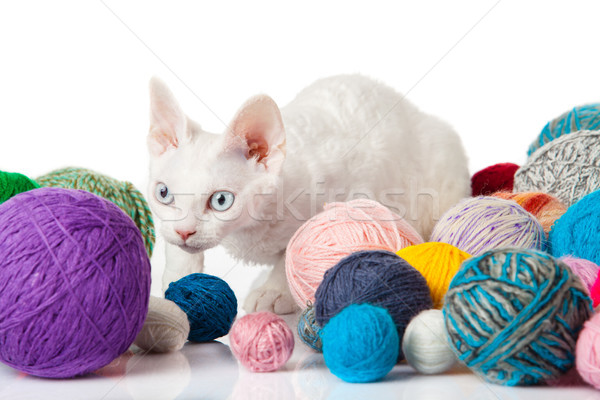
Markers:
<point>251,187</point>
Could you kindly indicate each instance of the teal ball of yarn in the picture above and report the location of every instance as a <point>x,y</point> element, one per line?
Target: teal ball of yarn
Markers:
<point>360,344</point>
<point>12,183</point>
<point>208,301</point>
<point>585,117</point>
<point>309,329</point>
<point>513,316</point>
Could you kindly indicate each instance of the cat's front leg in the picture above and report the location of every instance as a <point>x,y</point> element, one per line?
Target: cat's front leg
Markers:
<point>274,295</point>
<point>180,263</point>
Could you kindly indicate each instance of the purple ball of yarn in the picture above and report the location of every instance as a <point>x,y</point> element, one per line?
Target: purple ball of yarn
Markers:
<point>74,282</point>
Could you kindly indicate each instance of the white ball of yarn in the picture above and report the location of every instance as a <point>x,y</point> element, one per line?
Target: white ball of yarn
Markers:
<point>424,344</point>
<point>166,327</point>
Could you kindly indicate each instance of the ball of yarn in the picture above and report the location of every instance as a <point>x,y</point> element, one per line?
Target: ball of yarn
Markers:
<point>495,178</point>
<point>478,224</point>
<point>544,207</point>
<point>75,281</point>
<point>425,345</point>
<point>587,358</point>
<point>261,341</point>
<point>166,327</point>
<point>513,316</point>
<point>586,270</point>
<point>208,301</point>
<point>341,229</point>
<point>577,232</point>
<point>585,117</point>
<point>375,277</point>
<point>595,292</point>
<point>360,344</point>
<point>567,167</point>
<point>438,263</point>
<point>309,329</point>
<point>122,193</point>
<point>12,183</point>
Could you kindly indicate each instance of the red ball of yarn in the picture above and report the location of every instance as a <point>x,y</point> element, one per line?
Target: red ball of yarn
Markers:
<point>495,178</point>
<point>595,291</point>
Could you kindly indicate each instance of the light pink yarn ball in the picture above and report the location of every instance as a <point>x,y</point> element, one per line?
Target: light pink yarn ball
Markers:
<point>261,341</point>
<point>587,352</point>
<point>586,270</point>
<point>340,230</point>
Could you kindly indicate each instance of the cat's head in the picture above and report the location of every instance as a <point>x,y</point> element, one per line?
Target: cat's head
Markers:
<point>205,186</point>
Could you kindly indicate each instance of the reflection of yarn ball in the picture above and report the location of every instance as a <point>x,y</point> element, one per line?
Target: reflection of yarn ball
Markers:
<point>588,352</point>
<point>122,193</point>
<point>360,344</point>
<point>438,263</point>
<point>577,232</point>
<point>166,328</point>
<point>261,341</point>
<point>75,281</point>
<point>341,229</point>
<point>478,224</point>
<point>495,178</point>
<point>586,270</point>
<point>12,183</point>
<point>567,167</point>
<point>586,117</point>
<point>308,329</point>
<point>513,316</point>
<point>375,277</point>
<point>544,207</point>
<point>208,301</point>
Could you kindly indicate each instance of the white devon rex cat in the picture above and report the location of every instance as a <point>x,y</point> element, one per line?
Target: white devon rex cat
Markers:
<point>250,188</point>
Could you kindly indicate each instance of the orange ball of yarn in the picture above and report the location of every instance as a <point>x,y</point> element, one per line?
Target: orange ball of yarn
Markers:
<point>340,230</point>
<point>438,263</point>
<point>544,207</point>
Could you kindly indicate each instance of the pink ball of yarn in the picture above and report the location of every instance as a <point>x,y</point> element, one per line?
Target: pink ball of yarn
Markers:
<point>586,270</point>
<point>587,352</point>
<point>261,341</point>
<point>340,230</point>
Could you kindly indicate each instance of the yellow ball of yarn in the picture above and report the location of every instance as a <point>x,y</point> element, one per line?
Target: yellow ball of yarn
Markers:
<point>438,263</point>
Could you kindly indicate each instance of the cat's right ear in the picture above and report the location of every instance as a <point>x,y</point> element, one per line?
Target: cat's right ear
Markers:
<point>168,123</point>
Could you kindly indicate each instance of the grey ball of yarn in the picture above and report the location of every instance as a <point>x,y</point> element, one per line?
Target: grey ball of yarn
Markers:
<point>567,167</point>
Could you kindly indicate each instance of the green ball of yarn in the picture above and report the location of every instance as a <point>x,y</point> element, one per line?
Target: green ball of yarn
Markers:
<point>12,183</point>
<point>121,193</point>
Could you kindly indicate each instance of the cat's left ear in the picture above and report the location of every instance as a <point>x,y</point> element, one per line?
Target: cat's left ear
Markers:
<point>257,130</point>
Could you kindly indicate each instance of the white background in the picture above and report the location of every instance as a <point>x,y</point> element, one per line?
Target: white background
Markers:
<point>74,74</point>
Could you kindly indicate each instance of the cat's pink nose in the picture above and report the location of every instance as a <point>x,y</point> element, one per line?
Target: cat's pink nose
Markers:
<point>185,234</point>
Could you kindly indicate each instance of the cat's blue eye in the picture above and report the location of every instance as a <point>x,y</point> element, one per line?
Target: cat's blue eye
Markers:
<point>162,194</point>
<point>222,200</point>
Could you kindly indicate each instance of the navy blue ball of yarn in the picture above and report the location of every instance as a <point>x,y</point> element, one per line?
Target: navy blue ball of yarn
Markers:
<point>208,301</point>
<point>375,277</point>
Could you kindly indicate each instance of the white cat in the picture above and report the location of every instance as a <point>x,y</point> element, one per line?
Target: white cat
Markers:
<point>250,188</point>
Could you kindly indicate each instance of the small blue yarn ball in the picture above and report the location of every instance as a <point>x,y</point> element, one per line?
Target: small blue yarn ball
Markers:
<point>577,232</point>
<point>513,316</point>
<point>586,117</point>
<point>308,329</point>
<point>360,344</point>
<point>208,301</point>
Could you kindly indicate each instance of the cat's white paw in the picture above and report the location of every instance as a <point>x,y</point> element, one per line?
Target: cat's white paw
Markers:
<point>270,299</point>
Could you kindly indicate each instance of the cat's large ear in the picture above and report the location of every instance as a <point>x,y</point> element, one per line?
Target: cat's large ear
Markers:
<point>168,123</point>
<point>257,130</point>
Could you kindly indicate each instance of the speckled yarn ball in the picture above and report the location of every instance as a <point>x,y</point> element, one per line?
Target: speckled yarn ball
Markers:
<point>586,270</point>
<point>208,301</point>
<point>585,117</point>
<point>479,224</point>
<point>261,341</point>
<point>309,330</point>
<point>588,352</point>
<point>513,316</point>
<point>12,183</point>
<point>74,279</point>
<point>544,207</point>
<point>495,178</point>
<point>567,167</point>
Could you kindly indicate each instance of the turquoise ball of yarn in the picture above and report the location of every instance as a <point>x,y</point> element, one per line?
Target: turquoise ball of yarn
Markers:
<point>513,316</point>
<point>208,301</point>
<point>360,344</point>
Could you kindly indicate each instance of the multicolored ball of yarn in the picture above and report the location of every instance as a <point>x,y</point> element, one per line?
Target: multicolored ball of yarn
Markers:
<point>587,358</point>
<point>340,230</point>
<point>75,281</point>
<point>585,117</point>
<point>166,327</point>
<point>309,330</point>
<point>586,270</point>
<point>261,341</point>
<point>12,183</point>
<point>438,263</point>
<point>544,207</point>
<point>495,178</point>
<point>360,344</point>
<point>122,193</point>
<point>476,225</point>
<point>208,301</point>
<point>513,316</point>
